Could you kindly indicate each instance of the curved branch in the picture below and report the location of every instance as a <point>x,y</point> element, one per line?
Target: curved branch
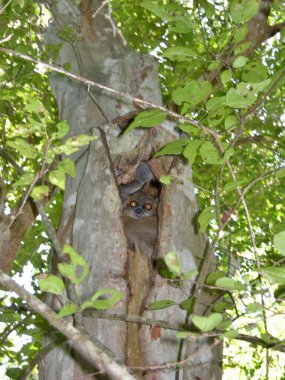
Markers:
<point>81,343</point>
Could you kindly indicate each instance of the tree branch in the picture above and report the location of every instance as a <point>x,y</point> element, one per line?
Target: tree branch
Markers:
<point>275,344</point>
<point>121,94</point>
<point>81,342</point>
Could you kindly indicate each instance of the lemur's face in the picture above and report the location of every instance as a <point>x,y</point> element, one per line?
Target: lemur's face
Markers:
<point>140,205</point>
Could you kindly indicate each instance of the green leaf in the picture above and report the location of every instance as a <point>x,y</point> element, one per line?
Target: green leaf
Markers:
<point>210,154</point>
<point>213,277</point>
<point>231,334</point>
<point>25,179</point>
<point>253,307</point>
<point>82,140</point>
<point>67,166</point>
<point>226,76</point>
<point>278,227</point>
<point>62,130</point>
<point>188,305</point>
<point>185,107</point>
<point>214,66</point>
<point>162,304</point>
<point>230,122</point>
<point>192,273</point>
<point>13,373</point>
<point>9,316</point>
<point>24,148</point>
<point>50,156</point>
<point>34,105</point>
<point>72,145</point>
<point>66,148</point>
<point>192,93</point>
<point>172,262</point>
<point>243,10</point>
<point>173,148</point>
<point>226,283</point>
<point>215,103</point>
<point>190,151</point>
<point>240,62</point>
<point>51,284</point>
<point>242,47</point>
<point>57,178</point>
<point>223,39</point>
<point>205,218</point>
<point>280,292</point>
<point>232,185</point>
<point>39,192</point>
<point>179,53</point>
<point>279,241</point>
<point>240,33</point>
<point>254,72</point>
<point>221,307</point>
<point>67,310</point>
<point>261,86</point>
<point>216,117</point>
<point>188,128</point>
<point>206,324</point>
<point>157,9</point>
<point>146,119</point>
<point>280,173</point>
<point>241,97</point>
<point>182,26</point>
<point>209,8</point>
<point>104,303</point>
<point>183,334</point>
<point>240,287</point>
<point>77,269</point>
<point>276,275</point>
<point>166,179</point>
<point>225,325</point>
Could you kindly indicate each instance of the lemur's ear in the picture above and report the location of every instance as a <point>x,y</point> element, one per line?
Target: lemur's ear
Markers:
<point>143,175</point>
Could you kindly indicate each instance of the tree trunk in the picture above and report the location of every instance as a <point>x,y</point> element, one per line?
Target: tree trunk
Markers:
<point>91,218</point>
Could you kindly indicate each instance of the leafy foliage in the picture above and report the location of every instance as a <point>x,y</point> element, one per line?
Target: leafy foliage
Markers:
<point>232,88</point>
<point>213,73</point>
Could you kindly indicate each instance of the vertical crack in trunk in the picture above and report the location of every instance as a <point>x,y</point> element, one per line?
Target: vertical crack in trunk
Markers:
<point>140,274</point>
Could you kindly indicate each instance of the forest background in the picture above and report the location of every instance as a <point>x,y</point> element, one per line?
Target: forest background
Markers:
<point>222,78</point>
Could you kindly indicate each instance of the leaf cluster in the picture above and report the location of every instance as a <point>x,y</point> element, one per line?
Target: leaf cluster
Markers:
<point>229,90</point>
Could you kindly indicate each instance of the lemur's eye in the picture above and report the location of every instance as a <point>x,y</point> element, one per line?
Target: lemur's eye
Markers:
<point>148,206</point>
<point>133,204</point>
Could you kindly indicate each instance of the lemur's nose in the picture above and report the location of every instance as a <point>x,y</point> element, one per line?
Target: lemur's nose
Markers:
<point>139,210</point>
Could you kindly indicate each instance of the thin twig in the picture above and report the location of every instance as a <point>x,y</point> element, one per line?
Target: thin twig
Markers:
<point>51,232</point>
<point>264,96</point>
<point>253,241</point>
<point>253,182</point>
<point>105,2</point>
<point>39,175</point>
<point>217,196</point>
<point>252,235</point>
<point>5,6</point>
<point>7,38</point>
<point>36,360</point>
<point>6,156</point>
<point>159,367</point>
<point>121,94</point>
<point>90,313</point>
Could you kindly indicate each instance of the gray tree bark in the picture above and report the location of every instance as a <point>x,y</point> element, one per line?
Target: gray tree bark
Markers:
<point>91,217</point>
